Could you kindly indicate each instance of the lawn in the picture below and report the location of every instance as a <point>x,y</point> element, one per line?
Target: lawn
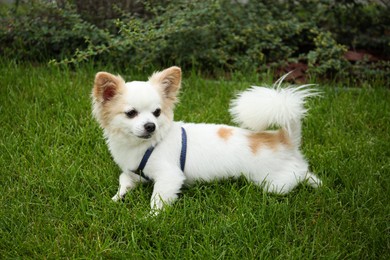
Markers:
<point>57,179</point>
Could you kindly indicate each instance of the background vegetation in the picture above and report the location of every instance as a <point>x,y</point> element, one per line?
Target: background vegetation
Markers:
<point>209,36</point>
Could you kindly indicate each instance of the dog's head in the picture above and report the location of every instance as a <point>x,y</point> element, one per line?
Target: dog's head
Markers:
<point>136,109</point>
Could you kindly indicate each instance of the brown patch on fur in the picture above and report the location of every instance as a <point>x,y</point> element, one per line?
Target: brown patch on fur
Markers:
<point>110,110</point>
<point>225,133</point>
<point>269,139</point>
<point>107,87</point>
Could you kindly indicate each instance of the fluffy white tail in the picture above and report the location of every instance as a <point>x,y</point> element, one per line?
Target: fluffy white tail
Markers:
<point>259,108</point>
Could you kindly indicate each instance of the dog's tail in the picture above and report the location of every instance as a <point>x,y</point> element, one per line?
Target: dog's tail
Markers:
<point>260,108</point>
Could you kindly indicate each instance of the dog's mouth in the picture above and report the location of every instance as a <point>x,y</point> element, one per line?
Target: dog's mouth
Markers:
<point>147,136</point>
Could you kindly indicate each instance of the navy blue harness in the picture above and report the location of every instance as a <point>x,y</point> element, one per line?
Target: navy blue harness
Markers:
<point>183,155</point>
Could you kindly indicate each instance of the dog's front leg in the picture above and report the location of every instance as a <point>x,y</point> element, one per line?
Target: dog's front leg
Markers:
<point>127,181</point>
<point>166,188</point>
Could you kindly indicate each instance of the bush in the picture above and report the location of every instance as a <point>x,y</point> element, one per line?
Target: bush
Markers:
<point>42,31</point>
<point>327,55</point>
<point>206,35</point>
<point>359,25</point>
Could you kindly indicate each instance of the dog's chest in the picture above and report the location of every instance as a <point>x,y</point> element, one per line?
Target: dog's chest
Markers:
<point>127,157</point>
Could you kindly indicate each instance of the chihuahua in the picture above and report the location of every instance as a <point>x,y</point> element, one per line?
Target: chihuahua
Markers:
<point>148,145</point>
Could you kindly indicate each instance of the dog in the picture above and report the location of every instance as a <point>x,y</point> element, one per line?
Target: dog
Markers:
<point>147,144</point>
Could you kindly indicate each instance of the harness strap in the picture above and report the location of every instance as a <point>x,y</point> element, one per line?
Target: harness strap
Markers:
<point>183,155</point>
<point>145,158</point>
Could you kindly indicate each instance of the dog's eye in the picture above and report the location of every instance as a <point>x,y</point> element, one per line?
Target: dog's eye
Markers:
<point>132,113</point>
<point>157,112</point>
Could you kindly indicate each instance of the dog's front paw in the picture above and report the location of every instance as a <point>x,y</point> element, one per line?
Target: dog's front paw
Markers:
<point>116,198</point>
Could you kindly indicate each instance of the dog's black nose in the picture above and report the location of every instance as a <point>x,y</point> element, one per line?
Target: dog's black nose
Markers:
<point>150,127</point>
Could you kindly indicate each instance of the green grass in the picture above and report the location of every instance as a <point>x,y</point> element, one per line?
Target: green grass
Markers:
<point>57,179</point>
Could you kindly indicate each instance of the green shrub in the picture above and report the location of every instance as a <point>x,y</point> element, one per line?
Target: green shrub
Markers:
<point>205,35</point>
<point>42,31</point>
<point>359,25</point>
<point>327,55</point>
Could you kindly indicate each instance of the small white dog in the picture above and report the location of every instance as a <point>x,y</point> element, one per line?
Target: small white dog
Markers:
<point>137,119</point>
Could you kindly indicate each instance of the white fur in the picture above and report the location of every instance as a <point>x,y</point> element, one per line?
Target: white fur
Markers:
<point>259,108</point>
<point>276,167</point>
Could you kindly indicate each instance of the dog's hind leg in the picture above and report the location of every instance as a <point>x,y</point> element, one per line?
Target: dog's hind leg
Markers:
<point>313,180</point>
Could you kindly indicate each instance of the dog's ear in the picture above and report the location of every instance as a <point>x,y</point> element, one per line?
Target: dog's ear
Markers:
<point>106,86</point>
<point>168,81</point>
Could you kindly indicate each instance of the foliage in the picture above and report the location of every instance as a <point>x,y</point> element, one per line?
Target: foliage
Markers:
<point>208,35</point>
<point>205,35</point>
<point>359,25</point>
<point>42,30</point>
<point>326,57</point>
